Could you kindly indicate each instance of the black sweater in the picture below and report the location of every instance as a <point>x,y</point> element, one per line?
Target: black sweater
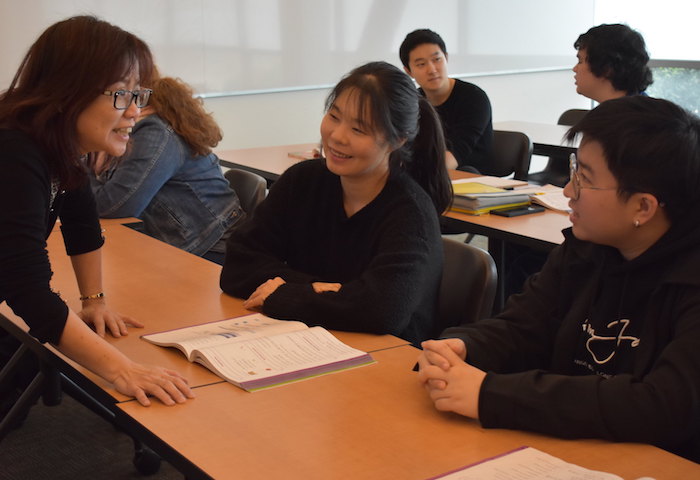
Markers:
<point>599,347</point>
<point>466,120</point>
<point>388,256</point>
<point>28,211</point>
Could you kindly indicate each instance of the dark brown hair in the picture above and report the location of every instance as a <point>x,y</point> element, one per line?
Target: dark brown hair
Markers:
<point>618,53</point>
<point>651,146</point>
<point>63,72</point>
<point>174,102</point>
<point>397,111</point>
<point>417,38</point>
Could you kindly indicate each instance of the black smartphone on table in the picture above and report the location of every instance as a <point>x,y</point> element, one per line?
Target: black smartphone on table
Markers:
<point>517,211</point>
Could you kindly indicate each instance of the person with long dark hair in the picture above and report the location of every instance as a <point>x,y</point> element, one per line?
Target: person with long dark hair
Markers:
<point>77,91</point>
<point>351,241</point>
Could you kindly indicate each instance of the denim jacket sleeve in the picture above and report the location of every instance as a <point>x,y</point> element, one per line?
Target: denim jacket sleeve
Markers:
<point>150,161</point>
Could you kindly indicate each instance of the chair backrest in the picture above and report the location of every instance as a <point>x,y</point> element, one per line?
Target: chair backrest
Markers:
<point>468,285</point>
<point>250,187</point>
<point>571,117</point>
<point>556,171</point>
<point>511,153</point>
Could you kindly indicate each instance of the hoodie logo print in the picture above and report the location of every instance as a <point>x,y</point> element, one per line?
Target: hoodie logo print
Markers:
<point>608,343</point>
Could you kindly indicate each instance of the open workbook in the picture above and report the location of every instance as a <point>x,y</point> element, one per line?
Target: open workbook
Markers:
<point>255,351</point>
<point>525,463</point>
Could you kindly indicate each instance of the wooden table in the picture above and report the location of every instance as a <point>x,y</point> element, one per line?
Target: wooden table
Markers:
<point>370,422</point>
<point>163,287</point>
<point>374,422</point>
<point>268,162</point>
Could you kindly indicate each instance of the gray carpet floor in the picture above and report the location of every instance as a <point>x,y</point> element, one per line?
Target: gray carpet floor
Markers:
<point>68,441</point>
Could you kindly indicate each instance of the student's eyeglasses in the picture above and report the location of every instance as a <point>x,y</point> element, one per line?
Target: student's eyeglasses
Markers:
<point>123,98</point>
<point>576,180</point>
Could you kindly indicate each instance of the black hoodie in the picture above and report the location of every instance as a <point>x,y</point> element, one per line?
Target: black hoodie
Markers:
<point>599,347</point>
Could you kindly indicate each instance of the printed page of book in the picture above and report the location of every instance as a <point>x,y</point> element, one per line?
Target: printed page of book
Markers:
<point>263,361</point>
<point>549,196</point>
<point>553,200</point>
<point>526,463</point>
<point>230,330</point>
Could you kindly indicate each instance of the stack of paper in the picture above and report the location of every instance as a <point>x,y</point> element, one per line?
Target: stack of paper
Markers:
<point>525,463</point>
<point>500,182</point>
<point>553,199</point>
<point>477,198</point>
<point>479,195</point>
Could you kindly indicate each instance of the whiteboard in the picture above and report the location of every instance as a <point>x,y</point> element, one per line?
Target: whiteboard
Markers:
<point>227,47</point>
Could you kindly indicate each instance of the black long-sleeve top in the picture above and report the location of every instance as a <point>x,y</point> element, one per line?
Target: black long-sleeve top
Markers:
<point>30,203</point>
<point>599,347</point>
<point>467,122</point>
<point>388,256</point>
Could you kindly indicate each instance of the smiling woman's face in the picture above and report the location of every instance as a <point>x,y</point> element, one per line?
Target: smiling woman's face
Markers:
<point>351,149</point>
<point>103,128</point>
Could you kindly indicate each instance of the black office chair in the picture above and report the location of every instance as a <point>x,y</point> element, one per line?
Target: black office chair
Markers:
<point>511,154</point>
<point>250,187</point>
<point>572,117</point>
<point>467,287</point>
<point>556,171</point>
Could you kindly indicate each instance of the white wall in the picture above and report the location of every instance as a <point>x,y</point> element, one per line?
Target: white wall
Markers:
<point>294,117</point>
<point>260,45</point>
<point>322,40</point>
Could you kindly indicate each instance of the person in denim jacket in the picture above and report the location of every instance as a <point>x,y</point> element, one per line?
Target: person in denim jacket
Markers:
<point>169,177</point>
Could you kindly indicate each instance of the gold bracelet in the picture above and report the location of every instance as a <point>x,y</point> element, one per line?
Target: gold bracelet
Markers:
<point>92,297</point>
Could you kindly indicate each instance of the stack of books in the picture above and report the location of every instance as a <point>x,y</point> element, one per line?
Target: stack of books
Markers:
<point>477,198</point>
<point>479,195</point>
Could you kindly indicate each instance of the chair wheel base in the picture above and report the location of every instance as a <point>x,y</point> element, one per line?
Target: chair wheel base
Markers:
<point>146,461</point>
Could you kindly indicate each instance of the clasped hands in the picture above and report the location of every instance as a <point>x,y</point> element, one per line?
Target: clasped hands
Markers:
<point>257,298</point>
<point>453,384</point>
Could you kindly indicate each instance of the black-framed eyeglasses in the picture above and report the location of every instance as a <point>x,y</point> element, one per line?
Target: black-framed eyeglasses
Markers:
<point>576,180</point>
<point>123,98</point>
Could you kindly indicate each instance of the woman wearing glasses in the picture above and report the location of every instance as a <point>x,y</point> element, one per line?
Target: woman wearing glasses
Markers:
<point>603,342</point>
<point>169,177</point>
<point>59,107</point>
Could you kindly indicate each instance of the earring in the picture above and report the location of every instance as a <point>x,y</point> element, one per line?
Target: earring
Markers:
<point>636,224</point>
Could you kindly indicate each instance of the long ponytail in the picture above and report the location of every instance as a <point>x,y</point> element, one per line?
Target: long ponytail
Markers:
<point>427,162</point>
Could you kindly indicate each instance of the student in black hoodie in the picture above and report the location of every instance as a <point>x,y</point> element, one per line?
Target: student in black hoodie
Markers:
<point>605,341</point>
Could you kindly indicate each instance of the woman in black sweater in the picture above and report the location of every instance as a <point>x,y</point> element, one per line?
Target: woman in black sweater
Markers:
<point>351,241</point>
<point>77,91</point>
